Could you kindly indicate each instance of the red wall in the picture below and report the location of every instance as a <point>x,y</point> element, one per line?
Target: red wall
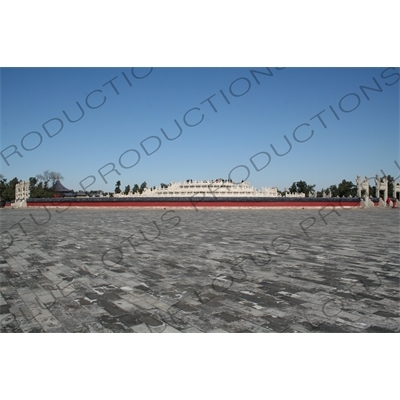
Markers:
<point>210,204</point>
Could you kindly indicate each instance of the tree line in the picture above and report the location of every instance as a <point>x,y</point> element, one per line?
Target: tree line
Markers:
<point>343,189</point>
<point>40,186</point>
<point>135,188</point>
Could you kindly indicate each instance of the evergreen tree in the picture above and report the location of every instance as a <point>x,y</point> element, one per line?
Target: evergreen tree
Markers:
<point>135,188</point>
<point>302,187</point>
<point>7,190</point>
<point>39,190</point>
<point>127,189</point>
<point>334,190</point>
<point>347,188</point>
<point>390,186</point>
<point>142,187</point>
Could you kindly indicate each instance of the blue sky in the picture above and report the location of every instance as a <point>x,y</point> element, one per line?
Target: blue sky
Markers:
<point>363,141</point>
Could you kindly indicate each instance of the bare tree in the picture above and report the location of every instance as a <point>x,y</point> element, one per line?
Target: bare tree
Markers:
<point>55,176</point>
<point>49,176</point>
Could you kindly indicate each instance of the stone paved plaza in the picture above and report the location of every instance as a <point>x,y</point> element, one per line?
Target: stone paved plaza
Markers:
<point>135,270</point>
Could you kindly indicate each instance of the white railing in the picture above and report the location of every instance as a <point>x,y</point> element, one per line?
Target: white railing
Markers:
<point>208,188</point>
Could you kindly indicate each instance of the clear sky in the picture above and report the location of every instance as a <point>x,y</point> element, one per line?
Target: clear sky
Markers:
<point>262,110</point>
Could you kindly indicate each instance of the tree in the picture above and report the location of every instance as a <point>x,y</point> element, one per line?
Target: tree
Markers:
<point>127,189</point>
<point>142,187</point>
<point>38,190</point>
<point>302,187</point>
<point>293,188</point>
<point>135,188</point>
<point>334,191</point>
<point>118,187</point>
<point>3,186</point>
<point>49,176</point>
<point>390,180</point>
<point>373,191</point>
<point>347,188</point>
<point>7,190</point>
<point>55,176</point>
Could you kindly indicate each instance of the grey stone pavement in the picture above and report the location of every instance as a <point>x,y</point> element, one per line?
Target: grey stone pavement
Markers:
<point>135,270</point>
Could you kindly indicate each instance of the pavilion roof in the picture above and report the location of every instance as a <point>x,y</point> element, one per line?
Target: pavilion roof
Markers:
<point>58,187</point>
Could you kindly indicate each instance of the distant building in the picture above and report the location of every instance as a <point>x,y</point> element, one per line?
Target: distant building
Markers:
<point>207,188</point>
<point>81,194</point>
<point>60,190</point>
<point>96,193</point>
